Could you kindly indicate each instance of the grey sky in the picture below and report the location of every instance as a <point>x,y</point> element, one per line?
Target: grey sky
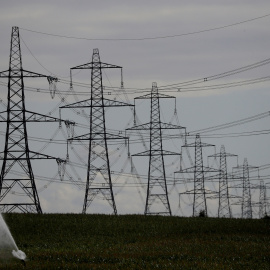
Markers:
<point>165,61</point>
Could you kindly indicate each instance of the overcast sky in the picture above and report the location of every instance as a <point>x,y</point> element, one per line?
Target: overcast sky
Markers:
<point>168,42</point>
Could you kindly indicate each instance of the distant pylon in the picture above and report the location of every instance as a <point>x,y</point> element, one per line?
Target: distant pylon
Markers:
<point>157,186</point>
<point>262,200</point>
<point>224,208</point>
<point>17,176</point>
<point>246,199</point>
<point>98,172</point>
<point>199,192</point>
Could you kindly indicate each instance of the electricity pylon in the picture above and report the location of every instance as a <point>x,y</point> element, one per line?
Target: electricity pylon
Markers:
<point>245,202</point>
<point>199,192</point>
<point>246,199</point>
<point>17,176</point>
<point>262,200</point>
<point>98,171</point>
<point>157,187</point>
<point>224,208</point>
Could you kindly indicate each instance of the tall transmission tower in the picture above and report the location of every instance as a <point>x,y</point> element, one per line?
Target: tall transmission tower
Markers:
<point>262,200</point>
<point>246,203</point>
<point>199,192</point>
<point>17,176</point>
<point>246,200</point>
<point>157,187</point>
<point>98,172</point>
<point>224,208</point>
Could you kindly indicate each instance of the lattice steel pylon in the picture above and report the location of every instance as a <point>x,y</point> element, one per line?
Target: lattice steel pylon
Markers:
<point>157,186</point>
<point>199,192</point>
<point>17,176</point>
<point>98,171</point>
<point>262,200</point>
<point>224,208</point>
<point>246,199</point>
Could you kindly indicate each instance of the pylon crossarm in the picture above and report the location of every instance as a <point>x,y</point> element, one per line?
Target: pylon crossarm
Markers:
<point>114,103</point>
<point>140,127</point>
<point>145,153</point>
<point>205,170</point>
<point>148,96</point>
<point>187,170</point>
<point>160,126</point>
<point>170,153</point>
<point>4,74</point>
<point>202,191</point>
<point>110,136</point>
<point>38,117</point>
<point>80,138</point>
<point>88,103</point>
<point>25,73</point>
<point>156,153</point>
<point>32,74</point>
<point>98,136</point>
<point>227,155</point>
<point>36,155</point>
<point>92,65</point>
<point>201,145</point>
<point>170,126</point>
<point>80,104</point>
<point>105,65</point>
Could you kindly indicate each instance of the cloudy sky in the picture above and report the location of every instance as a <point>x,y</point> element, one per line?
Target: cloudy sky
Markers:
<point>168,42</point>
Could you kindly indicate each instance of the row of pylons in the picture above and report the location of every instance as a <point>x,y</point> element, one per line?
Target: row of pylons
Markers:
<point>17,173</point>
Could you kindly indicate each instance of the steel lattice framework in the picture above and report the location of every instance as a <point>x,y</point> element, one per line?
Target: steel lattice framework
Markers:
<point>157,187</point>
<point>224,208</point>
<point>199,192</point>
<point>246,199</point>
<point>262,200</point>
<point>17,176</point>
<point>98,171</point>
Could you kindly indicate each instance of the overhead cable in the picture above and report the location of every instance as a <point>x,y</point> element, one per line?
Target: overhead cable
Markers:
<point>150,38</point>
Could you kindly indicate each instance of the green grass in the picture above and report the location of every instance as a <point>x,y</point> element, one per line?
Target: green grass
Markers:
<point>67,241</point>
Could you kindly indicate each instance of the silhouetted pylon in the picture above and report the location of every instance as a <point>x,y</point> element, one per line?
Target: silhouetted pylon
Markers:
<point>224,208</point>
<point>199,192</point>
<point>262,200</point>
<point>17,184</point>
<point>98,172</point>
<point>157,186</point>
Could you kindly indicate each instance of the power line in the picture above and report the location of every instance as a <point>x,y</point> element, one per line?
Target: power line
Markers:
<point>35,57</point>
<point>180,86</point>
<point>234,123</point>
<point>169,90</point>
<point>150,38</point>
<point>189,134</point>
<point>205,79</point>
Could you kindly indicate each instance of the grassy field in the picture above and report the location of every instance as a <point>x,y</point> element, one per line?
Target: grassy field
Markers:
<point>74,241</point>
